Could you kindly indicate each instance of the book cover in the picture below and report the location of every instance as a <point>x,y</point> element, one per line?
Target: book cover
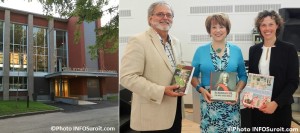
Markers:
<point>257,92</point>
<point>223,86</point>
<point>182,76</point>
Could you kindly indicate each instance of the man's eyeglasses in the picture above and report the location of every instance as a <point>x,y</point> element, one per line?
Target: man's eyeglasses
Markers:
<point>161,15</point>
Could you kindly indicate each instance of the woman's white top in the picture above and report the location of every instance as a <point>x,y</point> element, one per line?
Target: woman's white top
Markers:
<point>264,61</point>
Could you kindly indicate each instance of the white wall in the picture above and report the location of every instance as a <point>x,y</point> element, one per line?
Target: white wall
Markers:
<point>187,22</point>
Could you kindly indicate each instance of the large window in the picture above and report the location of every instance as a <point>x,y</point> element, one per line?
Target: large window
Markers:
<point>61,48</point>
<point>18,47</point>
<point>18,83</point>
<point>1,45</point>
<point>40,49</point>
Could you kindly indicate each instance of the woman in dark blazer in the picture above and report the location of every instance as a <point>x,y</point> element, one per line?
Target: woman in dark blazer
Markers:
<point>275,58</point>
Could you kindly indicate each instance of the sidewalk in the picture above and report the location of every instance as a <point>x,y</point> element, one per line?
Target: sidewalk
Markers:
<point>85,105</point>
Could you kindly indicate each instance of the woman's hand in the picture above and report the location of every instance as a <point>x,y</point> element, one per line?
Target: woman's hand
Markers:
<point>206,95</point>
<point>236,98</point>
<point>246,105</point>
<point>269,108</point>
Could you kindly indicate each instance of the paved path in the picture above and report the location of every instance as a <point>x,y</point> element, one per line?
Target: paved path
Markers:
<point>75,119</point>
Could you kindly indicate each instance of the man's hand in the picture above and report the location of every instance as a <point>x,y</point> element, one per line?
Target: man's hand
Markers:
<point>169,91</point>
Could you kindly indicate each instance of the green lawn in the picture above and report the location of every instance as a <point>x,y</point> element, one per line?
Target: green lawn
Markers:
<point>14,107</point>
<point>113,98</point>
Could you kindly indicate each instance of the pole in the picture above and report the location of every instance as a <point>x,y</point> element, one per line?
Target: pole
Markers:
<point>18,84</point>
<point>17,98</point>
<point>27,100</point>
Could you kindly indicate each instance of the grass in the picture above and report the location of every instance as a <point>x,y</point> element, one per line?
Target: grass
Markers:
<point>17,107</point>
<point>113,98</point>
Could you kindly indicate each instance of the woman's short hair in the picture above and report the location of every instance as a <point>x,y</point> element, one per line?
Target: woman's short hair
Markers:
<point>274,15</point>
<point>220,18</point>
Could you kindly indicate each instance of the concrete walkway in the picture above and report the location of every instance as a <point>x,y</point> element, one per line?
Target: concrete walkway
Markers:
<point>82,102</point>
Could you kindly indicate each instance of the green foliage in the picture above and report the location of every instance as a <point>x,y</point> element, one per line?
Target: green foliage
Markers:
<point>62,7</point>
<point>89,11</point>
<point>107,39</point>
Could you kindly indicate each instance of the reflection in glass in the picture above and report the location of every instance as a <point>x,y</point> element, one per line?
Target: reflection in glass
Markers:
<point>40,49</point>
<point>18,83</point>
<point>18,48</point>
<point>61,47</point>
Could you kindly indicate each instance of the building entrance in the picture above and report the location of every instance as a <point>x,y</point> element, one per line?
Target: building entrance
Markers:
<point>93,88</point>
<point>62,87</point>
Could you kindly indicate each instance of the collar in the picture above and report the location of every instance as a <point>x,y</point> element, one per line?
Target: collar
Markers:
<point>275,44</point>
<point>161,40</point>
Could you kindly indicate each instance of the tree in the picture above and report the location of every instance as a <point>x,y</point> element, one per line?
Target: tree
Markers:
<point>89,11</point>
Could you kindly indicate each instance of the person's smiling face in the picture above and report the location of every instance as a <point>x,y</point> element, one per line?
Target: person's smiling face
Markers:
<point>218,32</point>
<point>161,19</point>
<point>268,28</point>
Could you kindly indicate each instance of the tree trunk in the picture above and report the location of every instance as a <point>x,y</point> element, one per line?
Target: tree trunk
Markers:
<point>102,59</point>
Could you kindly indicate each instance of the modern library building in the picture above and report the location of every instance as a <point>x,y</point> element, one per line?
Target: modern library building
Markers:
<point>39,59</point>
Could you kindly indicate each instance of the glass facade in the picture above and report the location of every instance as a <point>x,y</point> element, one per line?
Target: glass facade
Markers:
<point>18,83</point>
<point>40,49</point>
<point>61,47</point>
<point>18,48</point>
<point>1,45</point>
<point>26,37</point>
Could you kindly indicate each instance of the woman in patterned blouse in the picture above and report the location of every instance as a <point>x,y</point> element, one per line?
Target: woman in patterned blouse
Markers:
<point>218,55</point>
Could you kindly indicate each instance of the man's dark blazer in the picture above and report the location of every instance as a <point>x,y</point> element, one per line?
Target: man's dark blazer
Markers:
<point>284,66</point>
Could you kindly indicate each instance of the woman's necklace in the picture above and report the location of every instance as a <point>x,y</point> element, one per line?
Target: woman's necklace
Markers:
<point>218,50</point>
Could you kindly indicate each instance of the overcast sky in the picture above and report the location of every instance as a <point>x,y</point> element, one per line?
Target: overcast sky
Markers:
<point>36,7</point>
<point>23,5</point>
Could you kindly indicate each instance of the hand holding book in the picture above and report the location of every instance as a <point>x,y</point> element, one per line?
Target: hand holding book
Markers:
<point>269,108</point>
<point>206,95</point>
<point>257,92</point>
<point>235,101</point>
<point>182,77</point>
<point>169,91</point>
<point>222,86</point>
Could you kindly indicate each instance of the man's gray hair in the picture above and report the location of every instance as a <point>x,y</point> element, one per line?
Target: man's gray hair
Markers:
<point>157,3</point>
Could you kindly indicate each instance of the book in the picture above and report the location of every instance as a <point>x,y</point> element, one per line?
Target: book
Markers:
<point>257,92</point>
<point>223,86</point>
<point>182,77</point>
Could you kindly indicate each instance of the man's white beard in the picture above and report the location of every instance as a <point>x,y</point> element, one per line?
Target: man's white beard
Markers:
<point>160,27</point>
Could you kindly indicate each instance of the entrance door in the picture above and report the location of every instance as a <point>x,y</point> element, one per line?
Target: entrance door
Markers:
<point>93,88</point>
<point>62,87</point>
